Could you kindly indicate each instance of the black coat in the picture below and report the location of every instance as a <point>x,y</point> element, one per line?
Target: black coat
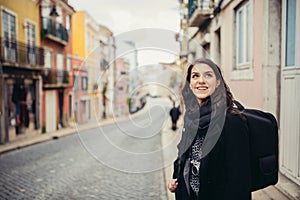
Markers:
<point>225,171</point>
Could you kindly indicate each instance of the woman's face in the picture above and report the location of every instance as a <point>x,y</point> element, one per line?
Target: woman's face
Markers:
<point>203,81</point>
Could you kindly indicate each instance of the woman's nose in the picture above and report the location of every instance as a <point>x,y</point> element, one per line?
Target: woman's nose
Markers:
<point>201,79</point>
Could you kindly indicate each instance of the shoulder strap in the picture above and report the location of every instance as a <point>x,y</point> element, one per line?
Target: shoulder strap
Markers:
<point>239,105</point>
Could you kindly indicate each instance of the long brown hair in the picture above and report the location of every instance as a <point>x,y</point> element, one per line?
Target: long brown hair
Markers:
<point>189,97</point>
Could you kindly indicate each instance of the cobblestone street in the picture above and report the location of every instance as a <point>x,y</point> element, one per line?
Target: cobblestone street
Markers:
<point>64,169</point>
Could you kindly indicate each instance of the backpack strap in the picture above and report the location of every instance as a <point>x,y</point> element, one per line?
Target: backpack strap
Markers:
<point>239,105</point>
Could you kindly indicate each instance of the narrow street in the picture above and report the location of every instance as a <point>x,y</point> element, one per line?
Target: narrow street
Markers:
<point>118,161</point>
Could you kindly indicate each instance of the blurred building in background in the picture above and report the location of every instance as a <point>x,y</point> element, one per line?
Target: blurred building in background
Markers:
<point>107,54</point>
<point>81,108</point>
<point>56,39</point>
<point>121,88</point>
<point>85,44</point>
<point>21,67</point>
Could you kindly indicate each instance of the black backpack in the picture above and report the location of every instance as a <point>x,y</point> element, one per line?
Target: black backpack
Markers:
<point>263,138</point>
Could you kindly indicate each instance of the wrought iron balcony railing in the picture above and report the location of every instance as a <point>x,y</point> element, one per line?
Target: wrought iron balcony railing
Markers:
<point>19,54</point>
<point>53,77</point>
<point>54,31</point>
<point>199,11</point>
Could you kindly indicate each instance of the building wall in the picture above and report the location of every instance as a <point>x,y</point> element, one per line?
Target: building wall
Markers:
<point>249,90</point>
<point>86,41</point>
<point>24,11</point>
<point>80,113</point>
<point>121,88</point>
<point>66,50</point>
<point>78,36</point>
<point>107,53</point>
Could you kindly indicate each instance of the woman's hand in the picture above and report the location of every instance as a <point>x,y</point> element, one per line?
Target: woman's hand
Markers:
<point>173,185</point>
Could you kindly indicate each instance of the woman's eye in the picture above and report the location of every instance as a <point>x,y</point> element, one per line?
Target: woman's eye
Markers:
<point>209,75</point>
<point>195,76</point>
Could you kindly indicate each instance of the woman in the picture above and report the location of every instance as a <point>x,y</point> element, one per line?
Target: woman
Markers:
<point>213,161</point>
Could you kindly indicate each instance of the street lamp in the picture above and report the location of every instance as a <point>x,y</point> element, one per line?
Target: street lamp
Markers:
<point>53,12</point>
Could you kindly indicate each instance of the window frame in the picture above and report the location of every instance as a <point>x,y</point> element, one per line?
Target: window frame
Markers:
<point>284,52</point>
<point>69,63</point>
<point>76,84</point>
<point>50,51</point>
<point>84,83</point>
<point>10,51</point>
<point>243,70</point>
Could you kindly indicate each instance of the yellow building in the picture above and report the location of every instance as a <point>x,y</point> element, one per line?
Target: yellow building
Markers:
<point>86,47</point>
<point>21,65</point>
<point>25,14</point>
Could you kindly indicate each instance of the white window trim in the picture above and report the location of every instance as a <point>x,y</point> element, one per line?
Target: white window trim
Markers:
<point>243,71</point>
<point>297,39</point>
<point>60,57</point>
<point>51,51</point>
<point>60,18</point>
<point>26,20</point>
<point>69,57</point>
<point>46,8</point>
<point>2,8</point>
<point>68,19</point>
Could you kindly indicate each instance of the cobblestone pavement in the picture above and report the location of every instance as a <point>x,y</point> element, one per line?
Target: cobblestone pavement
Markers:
<point>71,168</point>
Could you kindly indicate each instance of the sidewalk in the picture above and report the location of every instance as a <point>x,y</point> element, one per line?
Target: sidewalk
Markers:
<point>29,139</point>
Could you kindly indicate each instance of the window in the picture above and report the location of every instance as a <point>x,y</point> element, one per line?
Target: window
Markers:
<point>75,83</point>
<point>292,44</point>
<point>243,35</point>
<point>46,8</point>
<point>68,22</point>
<point>31,42</point>
<point>60,61</point>
<point>84,83</point>
<point>59,18</point>
<point>60,67</point>
<point>10,36</point>
<point>48,59</point>
<point>69,64</point>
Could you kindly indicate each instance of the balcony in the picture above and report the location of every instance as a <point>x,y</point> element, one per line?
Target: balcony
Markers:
<point>53,78</point>
<point>54,31</point>
<point>17,54</point>
<point>199,11</point>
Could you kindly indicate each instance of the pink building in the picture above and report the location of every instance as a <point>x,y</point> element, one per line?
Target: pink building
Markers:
<point>81,111</point>
<point>121,87</point>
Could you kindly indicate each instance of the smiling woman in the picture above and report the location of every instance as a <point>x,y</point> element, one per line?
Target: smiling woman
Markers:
<point>213,161</point>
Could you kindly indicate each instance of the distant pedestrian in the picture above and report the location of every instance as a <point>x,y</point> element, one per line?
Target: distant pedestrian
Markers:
<point>213,154</point>
<point>174,113</point>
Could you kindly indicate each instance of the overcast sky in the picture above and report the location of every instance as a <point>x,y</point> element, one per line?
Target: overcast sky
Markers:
<point>126,15</point>
<point>122,16</point>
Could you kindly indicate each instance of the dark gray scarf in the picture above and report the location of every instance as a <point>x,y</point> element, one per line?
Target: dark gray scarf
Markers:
<point>206,121</point>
